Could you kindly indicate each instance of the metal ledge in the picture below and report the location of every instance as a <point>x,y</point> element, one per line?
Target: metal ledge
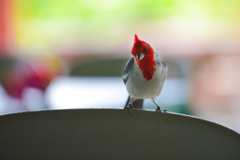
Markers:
<point>114,134</point>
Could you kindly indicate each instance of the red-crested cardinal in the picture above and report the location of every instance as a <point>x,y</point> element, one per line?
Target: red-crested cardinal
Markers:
<point>144,74</point>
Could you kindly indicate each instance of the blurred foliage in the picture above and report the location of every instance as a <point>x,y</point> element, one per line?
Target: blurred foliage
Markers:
<point>103,68</point>
<point>134,8</point>
<point>66,24</point>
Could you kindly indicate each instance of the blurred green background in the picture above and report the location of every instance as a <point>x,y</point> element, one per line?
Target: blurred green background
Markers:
<point>102,25</point>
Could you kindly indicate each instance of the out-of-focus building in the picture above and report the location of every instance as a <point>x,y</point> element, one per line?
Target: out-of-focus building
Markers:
<point>216,89</point>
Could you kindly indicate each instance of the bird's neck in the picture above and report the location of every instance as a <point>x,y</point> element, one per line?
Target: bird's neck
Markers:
<point>147,66</point>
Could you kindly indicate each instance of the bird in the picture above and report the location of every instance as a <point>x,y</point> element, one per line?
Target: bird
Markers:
<point>144,74</point>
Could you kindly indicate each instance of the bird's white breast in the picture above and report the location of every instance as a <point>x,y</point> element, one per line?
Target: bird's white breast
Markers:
<point>139,87</point>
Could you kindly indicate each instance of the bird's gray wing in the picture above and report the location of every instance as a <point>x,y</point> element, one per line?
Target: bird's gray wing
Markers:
<point>163,70</point>
<point>128,68</point>
<point>161,62</point>
<point>163,66</point>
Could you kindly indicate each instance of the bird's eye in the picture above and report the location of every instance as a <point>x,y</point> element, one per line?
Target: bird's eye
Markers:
<point>144,49</point>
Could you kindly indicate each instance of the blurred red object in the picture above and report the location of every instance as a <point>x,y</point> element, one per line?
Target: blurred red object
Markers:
<point>37,74</point>
<point>6,26</point>
<point>14,81</point>
<point>41,76</point>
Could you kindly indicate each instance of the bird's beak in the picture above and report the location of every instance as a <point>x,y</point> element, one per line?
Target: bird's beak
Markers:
<point>140,56</point>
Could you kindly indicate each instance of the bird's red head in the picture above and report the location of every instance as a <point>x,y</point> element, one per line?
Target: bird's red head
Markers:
<point>144,55</point>
<point>141,49</point>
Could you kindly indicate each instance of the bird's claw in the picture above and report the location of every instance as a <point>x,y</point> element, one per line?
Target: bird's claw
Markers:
<point>158,109</point>
<point>164,111</point>
<point>125,108</point>
<point>161,111</point>
<point>129,108</point>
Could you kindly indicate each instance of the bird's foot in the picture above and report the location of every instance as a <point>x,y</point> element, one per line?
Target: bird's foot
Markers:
<point>129,108</point>
<point>164,111</point>
<point>126,107</point>
<point>159,110</point>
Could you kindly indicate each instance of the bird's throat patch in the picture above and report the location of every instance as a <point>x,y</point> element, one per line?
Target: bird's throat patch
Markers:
<point>147,66</point>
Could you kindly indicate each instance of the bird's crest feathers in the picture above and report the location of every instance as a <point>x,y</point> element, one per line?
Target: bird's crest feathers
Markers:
<point>136,39</point>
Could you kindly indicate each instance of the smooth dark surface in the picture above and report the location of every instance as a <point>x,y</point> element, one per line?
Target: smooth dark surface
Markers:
<point>113,134</point>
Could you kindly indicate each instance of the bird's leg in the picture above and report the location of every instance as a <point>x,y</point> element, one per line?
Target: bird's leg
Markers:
<point>129,105</point>
<point>158,108</point>
<point>130,109</point>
